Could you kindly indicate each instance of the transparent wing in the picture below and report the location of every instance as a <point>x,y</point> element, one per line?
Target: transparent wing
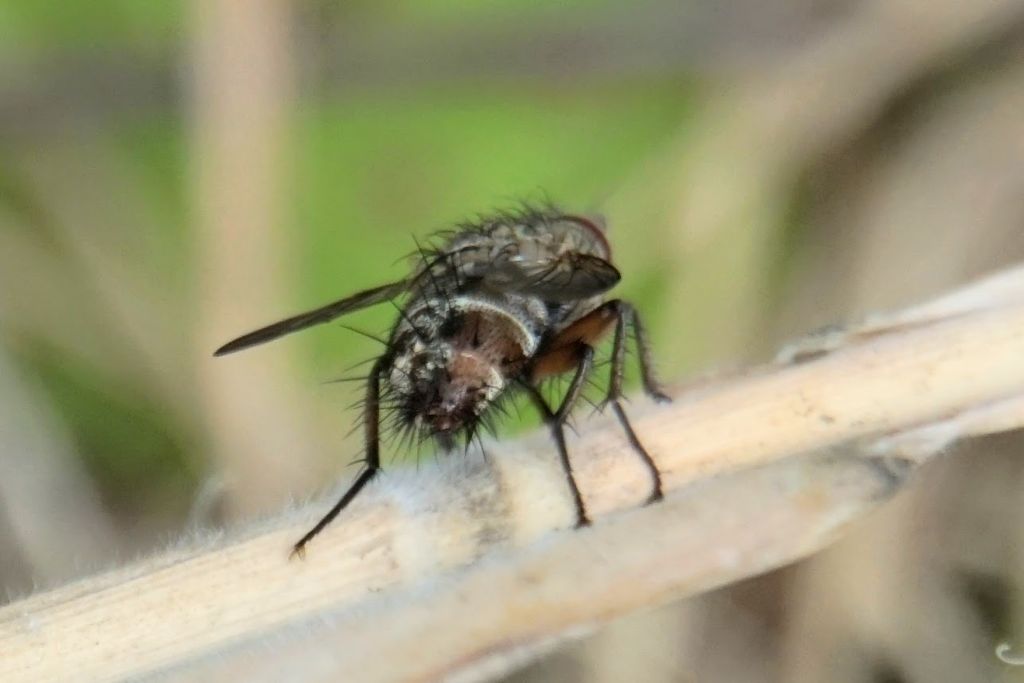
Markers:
<point>572,275</point>
<point>317,316</point>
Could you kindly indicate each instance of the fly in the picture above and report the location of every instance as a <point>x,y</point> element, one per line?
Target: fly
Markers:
<point>503,303</point>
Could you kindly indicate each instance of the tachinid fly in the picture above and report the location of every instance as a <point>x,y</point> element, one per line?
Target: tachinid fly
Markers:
<point>501,304</point>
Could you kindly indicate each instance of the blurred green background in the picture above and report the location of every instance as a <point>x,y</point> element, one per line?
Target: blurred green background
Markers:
<point>173,174</point>
<point>358,172</point>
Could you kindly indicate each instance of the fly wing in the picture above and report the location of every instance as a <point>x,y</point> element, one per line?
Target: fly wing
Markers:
<point>317,316</point>
<point>572,275</point>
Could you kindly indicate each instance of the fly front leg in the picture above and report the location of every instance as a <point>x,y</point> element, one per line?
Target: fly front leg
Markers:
<point>371,423</point>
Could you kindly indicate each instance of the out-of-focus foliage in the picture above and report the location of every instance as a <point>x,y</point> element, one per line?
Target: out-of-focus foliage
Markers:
<point>766,168</point>
<point>365,171</point>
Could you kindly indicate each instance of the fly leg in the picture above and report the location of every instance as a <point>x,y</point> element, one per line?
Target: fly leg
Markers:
<point>561,355</point>
<point>652,387</point>
<point>626,315</point>
<point>371,423</point>
<point>555,420</point>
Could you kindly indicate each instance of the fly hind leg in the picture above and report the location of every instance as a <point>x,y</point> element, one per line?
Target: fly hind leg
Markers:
<point>572,347</point>
<point>626,316</point>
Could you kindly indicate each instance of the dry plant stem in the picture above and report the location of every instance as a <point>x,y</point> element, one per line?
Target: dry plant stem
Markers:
<point>410,529</point>
<point>769,516</point>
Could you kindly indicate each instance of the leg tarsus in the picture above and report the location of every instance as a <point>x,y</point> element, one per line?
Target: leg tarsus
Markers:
<point>372,432</point>
<point>652,467</point>
<point>655,496</point>
<point>299,549</point>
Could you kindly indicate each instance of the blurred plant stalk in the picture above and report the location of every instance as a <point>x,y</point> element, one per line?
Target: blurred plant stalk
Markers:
<point>242,90</point>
